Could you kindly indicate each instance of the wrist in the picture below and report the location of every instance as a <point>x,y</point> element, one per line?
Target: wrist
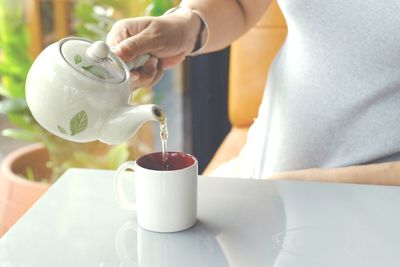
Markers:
<point>197,34</point>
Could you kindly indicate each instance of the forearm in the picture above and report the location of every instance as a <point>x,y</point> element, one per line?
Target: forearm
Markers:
<point>382,173</point>
<point>227,19</point>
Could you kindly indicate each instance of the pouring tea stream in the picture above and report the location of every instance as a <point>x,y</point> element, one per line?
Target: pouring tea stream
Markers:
<point>80,91</point>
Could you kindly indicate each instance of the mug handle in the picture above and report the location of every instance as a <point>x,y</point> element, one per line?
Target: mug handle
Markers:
<point>118,186</point>
<point>121,249</point>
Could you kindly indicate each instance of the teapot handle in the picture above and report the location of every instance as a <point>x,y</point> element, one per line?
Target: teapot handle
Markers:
<point>138,62</point>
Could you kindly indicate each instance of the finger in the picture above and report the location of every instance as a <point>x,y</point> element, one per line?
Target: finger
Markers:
<point>137,45</point>
<point>158,76</point>
<point>113,39</point>
<point>148,81</point>
<point>169,62</point>
<point>149,75</point>
<point>117,33</point>
<point>151,66</point>
<point>122,30</point>
<point>135,75</point>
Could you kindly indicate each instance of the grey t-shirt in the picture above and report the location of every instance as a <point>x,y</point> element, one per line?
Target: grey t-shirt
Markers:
<point>333,93</point>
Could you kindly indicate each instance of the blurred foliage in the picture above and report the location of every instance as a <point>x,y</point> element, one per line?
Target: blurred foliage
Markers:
<point>158,7</point>
<point>13,40</point>
<point>92,19</point>
<point>14,65</point>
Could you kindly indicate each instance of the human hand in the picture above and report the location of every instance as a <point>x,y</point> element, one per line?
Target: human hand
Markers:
<point>168,39</point>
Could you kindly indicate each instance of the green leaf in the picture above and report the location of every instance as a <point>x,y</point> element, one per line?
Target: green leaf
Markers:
<point>78,123</point>
<point>98,71</point>
<point>158,7</point>
<point>4,91</point>
<point>20,134</point>
<point>9,70</point>
<point>12,105</point>
<point>30,174</point>
<point>15,87</point>
<point>61,129</point>
<point>77,59</point>
<point>21,120</point>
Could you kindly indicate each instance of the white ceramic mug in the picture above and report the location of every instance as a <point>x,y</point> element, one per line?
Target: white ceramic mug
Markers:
<point>166,200</point>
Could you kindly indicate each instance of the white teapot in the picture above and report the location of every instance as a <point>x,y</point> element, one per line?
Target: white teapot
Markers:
<point>80,91</point>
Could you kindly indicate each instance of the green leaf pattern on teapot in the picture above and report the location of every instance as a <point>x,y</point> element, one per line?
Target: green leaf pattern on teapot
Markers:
<point>61,129</point>
<point>77,59</point>
<point>77,124</point>
<point>96,70</point>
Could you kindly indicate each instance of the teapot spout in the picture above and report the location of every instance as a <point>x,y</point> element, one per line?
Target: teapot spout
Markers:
<point>126,121</point>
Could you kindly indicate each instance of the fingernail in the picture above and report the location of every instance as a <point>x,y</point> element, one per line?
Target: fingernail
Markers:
<point>134,76</point>
<point>155,62</point>
<point>116,50</point>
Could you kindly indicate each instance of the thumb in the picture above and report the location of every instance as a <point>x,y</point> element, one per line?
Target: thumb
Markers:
<point>134,46</point>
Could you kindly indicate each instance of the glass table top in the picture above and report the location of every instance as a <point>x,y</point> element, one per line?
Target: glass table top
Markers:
<point>241,222</point>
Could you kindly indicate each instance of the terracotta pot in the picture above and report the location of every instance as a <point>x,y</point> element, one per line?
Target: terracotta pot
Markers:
<point>17,194</point>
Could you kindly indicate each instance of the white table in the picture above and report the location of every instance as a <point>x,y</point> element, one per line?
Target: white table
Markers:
<point>244,223</point>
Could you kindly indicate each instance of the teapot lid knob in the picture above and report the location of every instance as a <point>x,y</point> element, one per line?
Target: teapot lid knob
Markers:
<point>98,51</point>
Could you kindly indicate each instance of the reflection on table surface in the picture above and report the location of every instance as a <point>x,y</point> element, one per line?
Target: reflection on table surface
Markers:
<point>245,223</point>
<point>194,247</point>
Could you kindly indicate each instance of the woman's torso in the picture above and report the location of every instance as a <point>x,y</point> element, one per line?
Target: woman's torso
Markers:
<point>333,93</point>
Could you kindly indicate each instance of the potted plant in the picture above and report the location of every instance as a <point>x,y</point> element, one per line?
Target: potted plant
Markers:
<point>26,173</point>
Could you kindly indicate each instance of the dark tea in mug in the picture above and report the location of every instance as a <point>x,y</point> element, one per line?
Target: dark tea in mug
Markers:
<point>175,161</point>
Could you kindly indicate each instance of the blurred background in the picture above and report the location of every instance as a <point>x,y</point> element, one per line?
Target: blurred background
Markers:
<point>193,95</point>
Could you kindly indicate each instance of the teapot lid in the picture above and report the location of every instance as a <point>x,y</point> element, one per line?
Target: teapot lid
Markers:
<point>94,60</point>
